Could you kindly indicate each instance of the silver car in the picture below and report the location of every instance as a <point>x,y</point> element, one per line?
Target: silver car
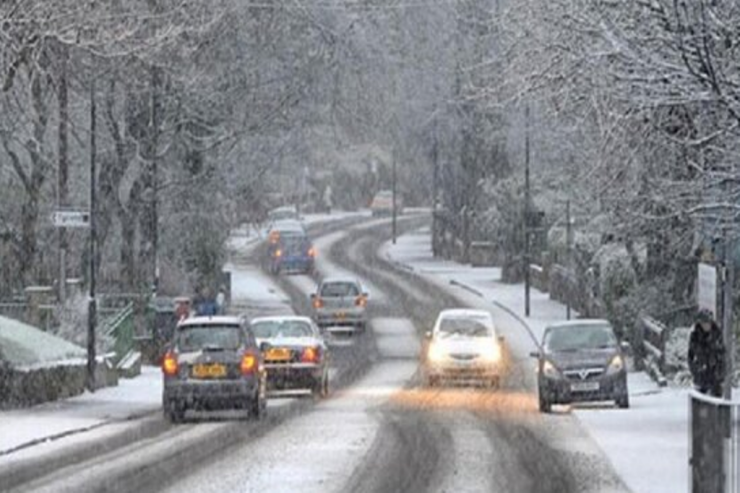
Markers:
<point>340,302</point>
<point>295,355</point>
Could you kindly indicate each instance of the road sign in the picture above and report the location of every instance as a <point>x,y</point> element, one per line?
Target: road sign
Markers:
<point>71,219</point>
<point>706,292</point>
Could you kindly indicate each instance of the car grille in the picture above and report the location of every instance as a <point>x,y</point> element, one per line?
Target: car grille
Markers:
<point>463,357</point>
<point>584,374</point>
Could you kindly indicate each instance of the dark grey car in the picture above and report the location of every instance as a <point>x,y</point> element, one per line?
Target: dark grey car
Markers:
<point>581,361</point>
<point>213,363</point>
<point>340,302</point>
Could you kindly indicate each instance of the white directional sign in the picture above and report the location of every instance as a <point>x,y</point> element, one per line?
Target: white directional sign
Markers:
<point>71,219</point>
<point>706,292</point>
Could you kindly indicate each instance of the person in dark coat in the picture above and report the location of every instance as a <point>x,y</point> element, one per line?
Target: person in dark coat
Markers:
<point>707,355</point>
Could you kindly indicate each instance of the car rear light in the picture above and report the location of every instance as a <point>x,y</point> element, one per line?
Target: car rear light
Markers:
<point>318,303</point>
<point>278,253</point>
<point>274,237</point>
<point>310,355</point>
<point>170,366</point>
<point>361,301</point>
<point>312,252</point>
<point>248,364</point>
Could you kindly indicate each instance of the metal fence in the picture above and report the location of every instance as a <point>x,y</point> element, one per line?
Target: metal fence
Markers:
<point>714,446</point>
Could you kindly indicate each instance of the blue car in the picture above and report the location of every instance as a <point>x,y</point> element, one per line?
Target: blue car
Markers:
<point>292,254</point>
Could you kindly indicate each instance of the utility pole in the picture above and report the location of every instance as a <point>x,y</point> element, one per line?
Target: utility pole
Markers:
<point>394,198</point>
<point>92,305</point>
<point>435,192</point>
<point>154,183</point>
<point>568,242</point>
<point>63,170</point>
<point>526,213</point>
<point>728,280</point>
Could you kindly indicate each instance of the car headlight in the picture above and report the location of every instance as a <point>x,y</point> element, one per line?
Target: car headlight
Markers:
<point>436,353</point>
<point>615,365</point>
<point>549,370</point>
<point>491,353</point>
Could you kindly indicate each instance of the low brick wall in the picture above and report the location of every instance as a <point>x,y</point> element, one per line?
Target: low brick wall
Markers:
<point>24,388</point>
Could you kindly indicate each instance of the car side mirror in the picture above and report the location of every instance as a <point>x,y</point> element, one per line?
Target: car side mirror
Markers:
<point>625,346</point>
<point>264,346</point>
<point>428,335</point>
<point>501,339</point>
<point>535,354</point>
<point>313,296</point>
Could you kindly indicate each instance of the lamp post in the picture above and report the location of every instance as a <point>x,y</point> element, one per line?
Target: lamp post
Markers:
<point>394,198</point>
<point>92,305</point>
<point>526,213</point>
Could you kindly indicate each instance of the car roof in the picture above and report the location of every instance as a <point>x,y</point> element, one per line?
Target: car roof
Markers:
<point>288,225</point>
<point>285,208</point>
<point>343,279</point>
<point>219,320</point>
<point>282,318</point>
<point>582,322</point>
<point>464,313</point>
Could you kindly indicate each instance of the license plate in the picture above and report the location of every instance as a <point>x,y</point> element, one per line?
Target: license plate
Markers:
<point>341,315</point>
<point>584,387</point>
<point>209,371</point>
<point>277,354</point>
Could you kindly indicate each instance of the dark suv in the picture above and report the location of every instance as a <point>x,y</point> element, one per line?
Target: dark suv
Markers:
<point>213,363</point>
<point>581,361</point>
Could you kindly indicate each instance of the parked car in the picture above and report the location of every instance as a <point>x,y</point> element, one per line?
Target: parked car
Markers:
<point>340,302</point>
<point>213,363</point>
<point>382,204</point>
<point>296,356</point>
<point>292,251</point>
<point>463,348</point>
<point>581,361</point>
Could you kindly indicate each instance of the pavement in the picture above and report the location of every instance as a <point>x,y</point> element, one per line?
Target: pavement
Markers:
<point>647,444</point>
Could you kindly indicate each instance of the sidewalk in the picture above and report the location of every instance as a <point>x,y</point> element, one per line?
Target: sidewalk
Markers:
<point>647,444</point>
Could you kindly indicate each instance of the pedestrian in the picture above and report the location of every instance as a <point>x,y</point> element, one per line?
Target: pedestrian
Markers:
<point>707,355</point>
<point>221,301</point>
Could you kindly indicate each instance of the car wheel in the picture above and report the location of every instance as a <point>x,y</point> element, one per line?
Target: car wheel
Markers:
<point>623,401</point>
<point>431,381</point>
<point>175,413</point>
<point>545,404</point>
<point>320,388</point>
<point>494,383</point>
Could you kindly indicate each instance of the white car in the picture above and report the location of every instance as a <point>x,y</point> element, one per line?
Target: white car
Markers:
<point>463,347</point>
<point>295,354</point>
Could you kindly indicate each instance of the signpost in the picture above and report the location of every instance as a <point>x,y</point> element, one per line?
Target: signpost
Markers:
<point>71,219</point>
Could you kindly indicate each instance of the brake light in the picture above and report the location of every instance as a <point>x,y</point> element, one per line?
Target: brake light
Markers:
<point>361,301</point>
<point>248,364</point>
<point>169,364</point>
<point>312,252</point>
<point>310,355</point>
<point>318,303</point>
<point>274,237</point>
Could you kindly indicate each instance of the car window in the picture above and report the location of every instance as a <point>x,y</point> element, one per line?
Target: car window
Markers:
<point>574,338</point>
<point>269,329</point>
<point>464,326</point>
<point>199,337</point>
<point>339,289</point>
<point>295,244</point>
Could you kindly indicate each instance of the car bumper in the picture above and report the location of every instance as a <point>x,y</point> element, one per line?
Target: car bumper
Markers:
<point>566,391</point>
<point>293,376</point>
<point>339,317</point>
<point>294,264</point>
<point>222,394</point>
<point>463,373</point>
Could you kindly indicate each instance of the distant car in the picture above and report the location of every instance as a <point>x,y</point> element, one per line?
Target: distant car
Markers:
<point>382,204</point>
<point>288,227</point>
<point>463,348</point>
<point>340,302</point>
<point>294,352</point>
<point>581,361</point>
<point>291,251</point>
<point>213,363</point>
<point>287,212</point>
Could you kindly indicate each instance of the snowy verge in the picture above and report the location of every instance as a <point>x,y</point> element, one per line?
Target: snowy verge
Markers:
<point>647,444</point>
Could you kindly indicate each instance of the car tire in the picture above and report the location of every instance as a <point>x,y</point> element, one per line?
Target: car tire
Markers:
<point>494,383</point>
<point>545,404</point>
<point>623,401</point>
<point>431,381</point>
<point>175,413</point>
<point>320,388</point>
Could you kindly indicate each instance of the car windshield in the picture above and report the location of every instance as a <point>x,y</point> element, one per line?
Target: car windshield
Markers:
<point>580,337</point>
<point>270,329</point>
<point>198,337</point>
<point>283,215</point>
<point>339,289</point>
<point>464,326</point>
<point>295,244</point>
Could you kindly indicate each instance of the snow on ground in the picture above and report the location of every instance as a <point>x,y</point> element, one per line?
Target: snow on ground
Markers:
<point>23,345</point>
<point>132,397</point>
<point>319,450</point>
<point>647,444</point>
